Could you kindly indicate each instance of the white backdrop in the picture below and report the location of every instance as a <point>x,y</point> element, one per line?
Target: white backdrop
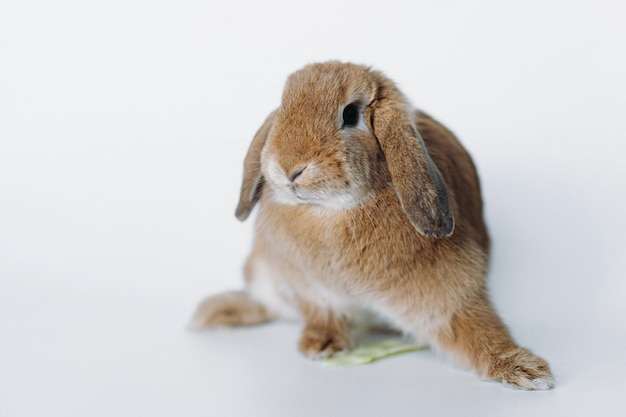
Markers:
<point>123,126</point>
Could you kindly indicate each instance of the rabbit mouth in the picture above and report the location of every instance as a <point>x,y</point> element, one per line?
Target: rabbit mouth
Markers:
<point>332,200</point>
<point>309,187</point>
<point>302,199</point>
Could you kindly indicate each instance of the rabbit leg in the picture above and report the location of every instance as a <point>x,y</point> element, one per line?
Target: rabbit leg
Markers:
<point>324,333</point>
<point>229,309</point>
<point>477,337</point>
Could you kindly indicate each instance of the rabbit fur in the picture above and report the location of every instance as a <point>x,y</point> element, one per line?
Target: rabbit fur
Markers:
<point>376,213</point>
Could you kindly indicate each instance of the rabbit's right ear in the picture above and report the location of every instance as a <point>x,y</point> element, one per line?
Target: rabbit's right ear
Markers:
<point>252,183</point>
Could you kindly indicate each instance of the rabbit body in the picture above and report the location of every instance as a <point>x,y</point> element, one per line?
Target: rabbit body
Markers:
<point>368,206</point>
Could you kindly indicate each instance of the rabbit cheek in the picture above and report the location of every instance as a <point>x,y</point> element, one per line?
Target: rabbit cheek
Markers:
<point>366,171</point>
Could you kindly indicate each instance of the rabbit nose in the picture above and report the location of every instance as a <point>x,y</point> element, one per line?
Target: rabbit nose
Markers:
<point>296,173</point>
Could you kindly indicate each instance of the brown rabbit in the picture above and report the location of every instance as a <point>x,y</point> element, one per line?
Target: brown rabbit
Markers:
<point>368,206</point>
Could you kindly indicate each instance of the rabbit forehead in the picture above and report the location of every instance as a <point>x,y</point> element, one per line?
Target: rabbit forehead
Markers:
<point>324,87</point>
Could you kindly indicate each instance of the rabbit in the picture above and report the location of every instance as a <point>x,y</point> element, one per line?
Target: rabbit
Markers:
<point>368,206</point>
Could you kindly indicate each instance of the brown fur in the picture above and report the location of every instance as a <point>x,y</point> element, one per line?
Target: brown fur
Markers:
<point>385,216</point>
<point>229,309</point>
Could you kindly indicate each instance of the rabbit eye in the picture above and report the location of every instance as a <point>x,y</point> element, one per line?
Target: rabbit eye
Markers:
<point>350,115</point>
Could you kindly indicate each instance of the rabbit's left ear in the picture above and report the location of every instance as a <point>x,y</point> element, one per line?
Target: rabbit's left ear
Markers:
<point>418,183</point>
<point>252,183</point>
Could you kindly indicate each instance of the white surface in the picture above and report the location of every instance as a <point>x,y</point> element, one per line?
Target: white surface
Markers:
<point>123,125</point>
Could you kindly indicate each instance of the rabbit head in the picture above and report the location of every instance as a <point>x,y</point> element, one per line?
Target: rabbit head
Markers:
<point>342,133</point>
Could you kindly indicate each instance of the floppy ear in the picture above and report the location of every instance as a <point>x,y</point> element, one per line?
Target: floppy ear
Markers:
<point>418,182</point>
<point>252,183</point>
